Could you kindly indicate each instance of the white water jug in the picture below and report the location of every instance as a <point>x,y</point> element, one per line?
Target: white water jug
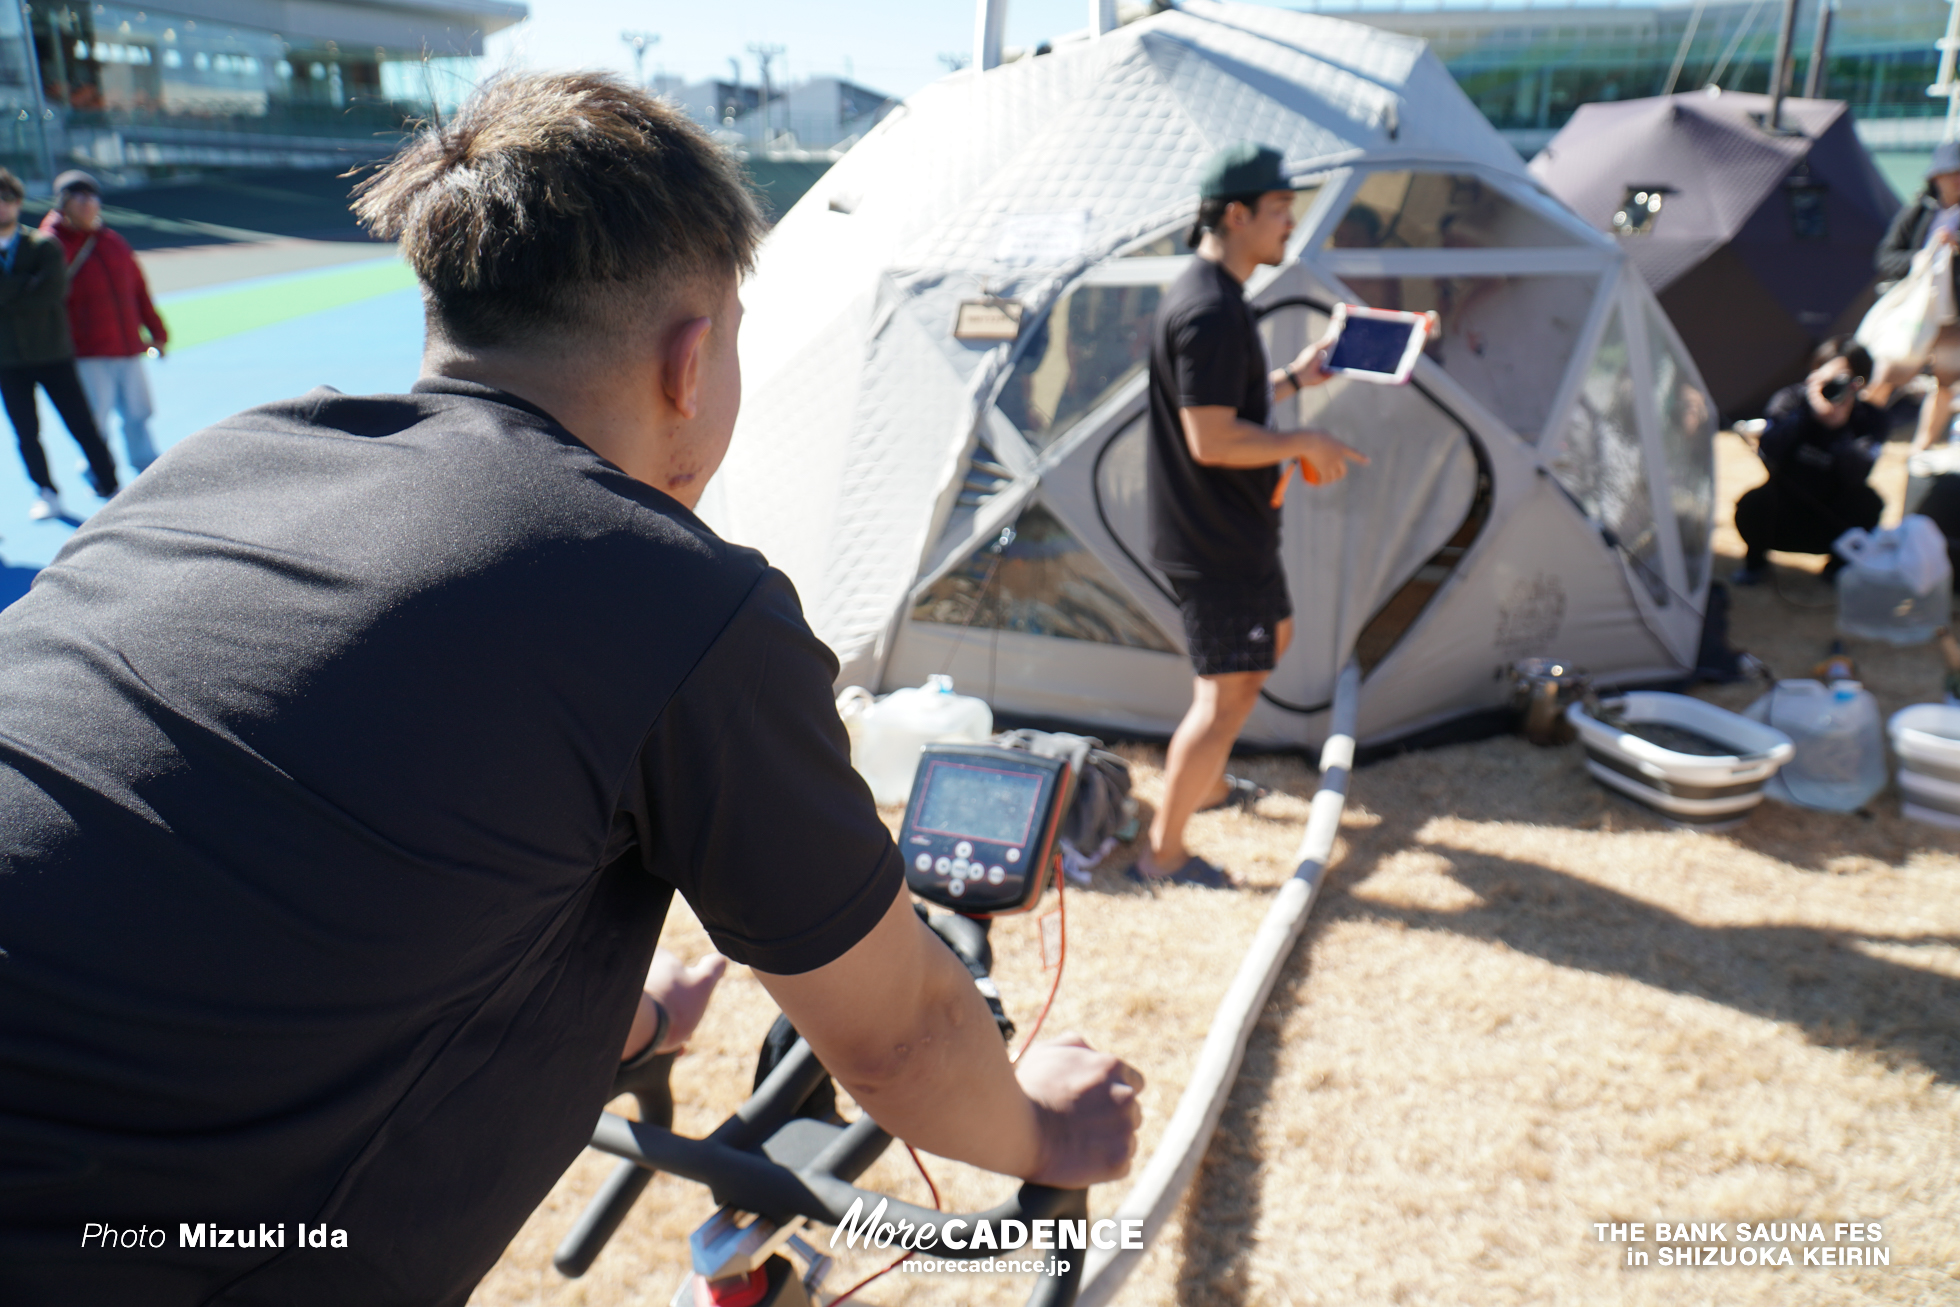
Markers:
<point>1840,761</point>
<point>886,735</point>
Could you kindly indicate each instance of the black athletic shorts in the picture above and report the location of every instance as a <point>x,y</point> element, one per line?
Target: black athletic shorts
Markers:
<point>1232,627</point>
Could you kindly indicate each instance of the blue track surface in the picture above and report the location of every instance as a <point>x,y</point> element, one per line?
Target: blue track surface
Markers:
<point>371,347</point>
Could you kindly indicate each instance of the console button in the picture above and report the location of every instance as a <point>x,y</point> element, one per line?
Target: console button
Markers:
<point>956,887</point>
<point>923,862</point>
<point>959,866</point>
<point>995,875</point>
<point>963,850</point>
<point>944,866</point>
<point>1013,855</point>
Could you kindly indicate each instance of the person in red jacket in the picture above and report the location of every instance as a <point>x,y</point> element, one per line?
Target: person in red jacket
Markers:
<point>109,312</point>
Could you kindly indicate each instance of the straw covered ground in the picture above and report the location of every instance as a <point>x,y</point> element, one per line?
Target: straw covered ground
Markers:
<point>1522,1007</point>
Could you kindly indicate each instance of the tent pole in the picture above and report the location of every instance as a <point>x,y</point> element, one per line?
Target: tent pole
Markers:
<point>989,27</point>
<point>1779,73</point>
<point>1102,17</point>
<point>1681,55</point>
<point>1820,46</point>
<point>1944,85</point>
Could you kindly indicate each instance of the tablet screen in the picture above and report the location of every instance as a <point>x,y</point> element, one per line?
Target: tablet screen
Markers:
<point>1371,345</point>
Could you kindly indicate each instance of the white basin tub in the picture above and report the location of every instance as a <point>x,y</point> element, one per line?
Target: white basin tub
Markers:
<point>1691,789</point>
<point>1926,738</point>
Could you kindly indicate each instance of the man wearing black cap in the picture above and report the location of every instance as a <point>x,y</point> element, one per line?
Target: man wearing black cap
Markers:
<point>1214,467</point>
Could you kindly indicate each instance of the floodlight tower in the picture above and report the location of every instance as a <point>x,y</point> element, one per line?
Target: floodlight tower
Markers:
<point>764,53</point>
<point>638,42</point>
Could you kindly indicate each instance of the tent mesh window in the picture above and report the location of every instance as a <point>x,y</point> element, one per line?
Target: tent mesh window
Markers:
<point>1095,339</point>
<point>1688,441</point>
<point>1436,210</point>
<point>1602,463</point>
<point>985,477</point>
<point>1506,340</point>
<point>1640,210</point>
<point>1044,583</point>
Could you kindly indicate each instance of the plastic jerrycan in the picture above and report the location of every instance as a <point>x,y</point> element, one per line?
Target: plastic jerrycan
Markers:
<point>890,732</point>
<point>1840,760</point>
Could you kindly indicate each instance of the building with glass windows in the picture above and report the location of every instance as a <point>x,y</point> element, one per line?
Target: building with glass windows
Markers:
<point>126,88</point>
<point>1528,66</point>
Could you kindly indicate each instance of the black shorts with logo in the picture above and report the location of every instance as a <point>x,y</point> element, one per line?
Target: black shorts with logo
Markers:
<point>1232,627</point>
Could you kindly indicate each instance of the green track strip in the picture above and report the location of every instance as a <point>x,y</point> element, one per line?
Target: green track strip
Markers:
<point>195,319</point>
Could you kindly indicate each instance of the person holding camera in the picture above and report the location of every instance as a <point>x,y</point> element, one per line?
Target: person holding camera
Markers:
<point>1819,445</point>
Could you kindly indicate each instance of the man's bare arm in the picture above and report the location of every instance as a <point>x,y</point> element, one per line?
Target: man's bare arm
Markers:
<point>899,1024</point>
<point>1218,437</point>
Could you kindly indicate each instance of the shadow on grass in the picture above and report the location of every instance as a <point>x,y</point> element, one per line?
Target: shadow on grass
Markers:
<point>1815,979</point>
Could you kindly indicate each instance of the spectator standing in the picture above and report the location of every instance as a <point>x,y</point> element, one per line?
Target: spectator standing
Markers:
<point>1213,471</point>
<point>36,350</point>
<point>1931,219</point>
<point>109,314</point>
<point>1820,445</point>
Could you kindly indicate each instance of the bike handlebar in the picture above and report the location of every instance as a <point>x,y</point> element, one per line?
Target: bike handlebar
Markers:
<point>767,1160</point>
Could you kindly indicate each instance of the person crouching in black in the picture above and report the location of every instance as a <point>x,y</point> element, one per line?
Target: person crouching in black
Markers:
<point>1819,446</point>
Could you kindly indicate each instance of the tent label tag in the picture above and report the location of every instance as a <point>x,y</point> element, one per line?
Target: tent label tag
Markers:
<point>988,319</point>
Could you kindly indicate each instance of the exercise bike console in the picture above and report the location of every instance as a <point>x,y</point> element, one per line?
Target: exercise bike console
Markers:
<point>981,825</point>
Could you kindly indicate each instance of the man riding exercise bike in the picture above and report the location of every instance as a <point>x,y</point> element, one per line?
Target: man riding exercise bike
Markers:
<point>349,761</point>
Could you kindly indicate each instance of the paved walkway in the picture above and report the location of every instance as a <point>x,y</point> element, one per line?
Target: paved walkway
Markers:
<point>355,326</point>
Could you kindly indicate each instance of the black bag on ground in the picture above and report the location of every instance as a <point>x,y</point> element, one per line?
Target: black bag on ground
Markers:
<point>1101,807</point>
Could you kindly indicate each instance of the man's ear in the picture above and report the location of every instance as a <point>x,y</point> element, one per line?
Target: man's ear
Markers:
<point>680,374</point>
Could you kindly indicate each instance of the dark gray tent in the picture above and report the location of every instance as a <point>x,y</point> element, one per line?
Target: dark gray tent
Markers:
<point>1758,244</point>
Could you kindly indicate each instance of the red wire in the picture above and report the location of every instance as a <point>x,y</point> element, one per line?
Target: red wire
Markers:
<point>1061,959</point>
<point>920,1163</point>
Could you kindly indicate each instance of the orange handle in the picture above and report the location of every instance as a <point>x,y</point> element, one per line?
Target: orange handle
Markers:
<point>1307,474</point>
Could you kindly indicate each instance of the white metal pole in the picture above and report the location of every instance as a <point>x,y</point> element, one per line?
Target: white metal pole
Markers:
<point>989,27</point>
<point>1168,1173</point>
<point>1102,16</point>
<point>1944,85</point>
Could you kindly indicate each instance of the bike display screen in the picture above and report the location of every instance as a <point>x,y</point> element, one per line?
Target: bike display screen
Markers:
<point>980,828</point>
<point>979,803</point>
<point>1371,345</point>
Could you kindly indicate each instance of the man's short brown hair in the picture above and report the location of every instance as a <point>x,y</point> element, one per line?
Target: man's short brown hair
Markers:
<point>562,205</point>
<point>11,191</point>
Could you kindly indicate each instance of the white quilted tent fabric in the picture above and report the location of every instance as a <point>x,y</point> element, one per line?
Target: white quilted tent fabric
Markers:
<point>863,413</point>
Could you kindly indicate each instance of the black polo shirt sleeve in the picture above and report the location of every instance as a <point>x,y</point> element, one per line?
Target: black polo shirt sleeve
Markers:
<point>744,798</point>
<point>1208,353</point>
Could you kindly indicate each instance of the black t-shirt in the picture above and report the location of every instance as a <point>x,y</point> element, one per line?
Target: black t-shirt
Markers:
<point>348,763</point>
<point>1210,523</point>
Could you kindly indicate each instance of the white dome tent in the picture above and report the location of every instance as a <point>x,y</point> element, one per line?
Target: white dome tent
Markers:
<point>1545,485</point>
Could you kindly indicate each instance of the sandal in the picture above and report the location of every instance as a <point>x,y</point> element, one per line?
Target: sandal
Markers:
<point>1195,871</point>
<point>1240,793</point>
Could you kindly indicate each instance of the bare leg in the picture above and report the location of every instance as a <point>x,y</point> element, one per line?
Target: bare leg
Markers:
<point>1934,414</point>
<point>1194,766</point>
<point>1890,377</point>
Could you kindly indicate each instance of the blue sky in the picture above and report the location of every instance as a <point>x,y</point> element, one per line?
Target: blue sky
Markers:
<point>888,45</point>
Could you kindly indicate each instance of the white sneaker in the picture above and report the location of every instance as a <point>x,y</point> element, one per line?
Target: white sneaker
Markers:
<point>46,504</point>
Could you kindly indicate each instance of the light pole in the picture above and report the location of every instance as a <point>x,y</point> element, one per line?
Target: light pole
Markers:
<point>763,54</point>
<point>638,42</point>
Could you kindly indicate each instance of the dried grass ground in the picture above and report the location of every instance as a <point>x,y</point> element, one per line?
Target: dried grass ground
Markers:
<point>1521,1007</point>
